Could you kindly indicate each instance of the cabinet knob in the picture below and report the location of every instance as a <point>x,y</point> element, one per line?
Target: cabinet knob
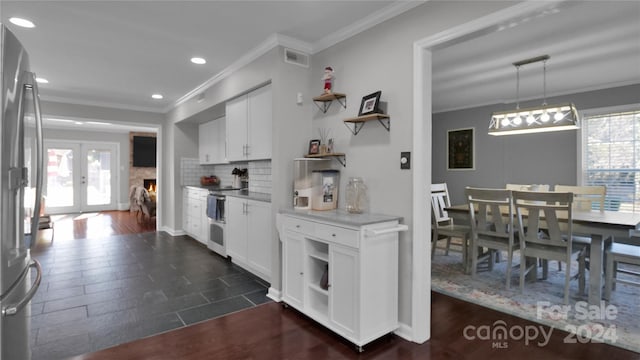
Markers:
<point>301,273</point>
<point>298,226</point>
<point>334,235</point>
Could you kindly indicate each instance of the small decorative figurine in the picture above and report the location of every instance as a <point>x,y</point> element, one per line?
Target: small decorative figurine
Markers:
<point>328,79</point>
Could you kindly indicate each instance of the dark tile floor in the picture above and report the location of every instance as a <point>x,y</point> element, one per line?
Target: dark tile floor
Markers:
<point>96,293</point>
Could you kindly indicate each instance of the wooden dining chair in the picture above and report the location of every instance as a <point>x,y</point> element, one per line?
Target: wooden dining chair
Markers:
<point>616,254</point>
<point>532,187</point>
<point>556,242</point>
<point>443,226</point>
<point>490,228</point>
<point>586,198</point>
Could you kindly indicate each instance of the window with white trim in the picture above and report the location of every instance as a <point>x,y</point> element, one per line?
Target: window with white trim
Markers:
<point>611,157</point>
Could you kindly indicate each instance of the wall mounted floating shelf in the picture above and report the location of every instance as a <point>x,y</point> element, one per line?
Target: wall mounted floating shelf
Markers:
<point>324,101</point>
<point>339,157</point>
<point>358,122</point>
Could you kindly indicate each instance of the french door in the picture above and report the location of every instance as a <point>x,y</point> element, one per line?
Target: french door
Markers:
<point>80,176</point>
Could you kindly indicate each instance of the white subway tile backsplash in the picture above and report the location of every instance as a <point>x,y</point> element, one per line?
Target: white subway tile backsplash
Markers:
<point>259,173</point>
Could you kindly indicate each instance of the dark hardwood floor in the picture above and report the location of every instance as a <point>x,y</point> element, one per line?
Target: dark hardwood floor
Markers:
<point>269,331</point>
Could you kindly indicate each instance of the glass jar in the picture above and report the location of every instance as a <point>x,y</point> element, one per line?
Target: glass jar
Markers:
<point>357,197</point>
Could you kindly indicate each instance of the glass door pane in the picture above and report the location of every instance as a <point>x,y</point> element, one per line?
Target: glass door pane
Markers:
<point>98,177</point>
<point>60,179</point>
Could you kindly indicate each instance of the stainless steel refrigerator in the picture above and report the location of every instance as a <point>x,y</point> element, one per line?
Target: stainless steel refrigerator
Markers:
<point>19,101</point>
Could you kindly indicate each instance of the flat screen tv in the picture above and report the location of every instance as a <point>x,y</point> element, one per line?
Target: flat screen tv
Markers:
<point>144,151</point>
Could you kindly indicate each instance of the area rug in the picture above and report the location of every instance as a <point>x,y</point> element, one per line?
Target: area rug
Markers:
<point>616,322</point>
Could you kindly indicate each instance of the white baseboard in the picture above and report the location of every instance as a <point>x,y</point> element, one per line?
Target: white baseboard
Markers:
<point>404,331</point>
<point>274,294</point>
<point>123,206</point>
<point>172,232</point>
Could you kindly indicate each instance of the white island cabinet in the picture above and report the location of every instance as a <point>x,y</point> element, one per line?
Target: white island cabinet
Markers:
<point>341,270</point>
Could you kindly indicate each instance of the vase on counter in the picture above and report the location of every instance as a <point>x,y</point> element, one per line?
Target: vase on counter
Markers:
<point>357,196</point>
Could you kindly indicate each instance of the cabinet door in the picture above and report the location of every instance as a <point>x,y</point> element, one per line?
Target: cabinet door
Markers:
<point>206,142</point>
<point>220,146</point>
<point>185,210</point>
<point>259,125</point>
<point>259,231</point>
<point>236,128</point>
<point>343,289</point>
<point>236,229</point>
<point>293,269</point>
<point>204,220</point>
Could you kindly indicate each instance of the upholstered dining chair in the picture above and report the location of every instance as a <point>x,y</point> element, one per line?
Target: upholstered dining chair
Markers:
<point>442,225</point>
<point>490,228</point>
<point>556,242</point>
<point>616,254</point>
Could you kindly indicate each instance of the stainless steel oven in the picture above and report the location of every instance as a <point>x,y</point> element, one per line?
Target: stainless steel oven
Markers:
<point>216,204</point>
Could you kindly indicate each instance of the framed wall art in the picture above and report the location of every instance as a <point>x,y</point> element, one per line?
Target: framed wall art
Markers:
<point>369,104</point>
<point>314,147</point>
<point>460,149</point>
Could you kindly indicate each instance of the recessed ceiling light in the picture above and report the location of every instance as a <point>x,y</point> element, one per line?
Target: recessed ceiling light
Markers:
<point>157,96</point>
<point>22,22</point>
<point>42,80</point>
<point>198,60</point>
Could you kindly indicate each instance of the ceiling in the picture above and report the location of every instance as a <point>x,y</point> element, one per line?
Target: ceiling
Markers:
<point>592,45</point>
<point>118,53</point>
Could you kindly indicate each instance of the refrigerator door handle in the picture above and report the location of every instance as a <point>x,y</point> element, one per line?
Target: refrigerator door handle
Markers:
<point>33,86</point>
<point>16,308</point>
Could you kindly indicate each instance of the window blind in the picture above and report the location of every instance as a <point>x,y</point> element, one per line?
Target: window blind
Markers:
<point>611,157</point>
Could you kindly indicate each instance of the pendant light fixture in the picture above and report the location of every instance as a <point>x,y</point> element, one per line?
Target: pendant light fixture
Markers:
<point>542,118</point>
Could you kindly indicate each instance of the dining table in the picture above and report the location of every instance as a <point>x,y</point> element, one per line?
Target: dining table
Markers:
<point>599,225</point>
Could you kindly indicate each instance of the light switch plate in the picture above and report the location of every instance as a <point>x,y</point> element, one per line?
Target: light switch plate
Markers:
<point>405,160</point>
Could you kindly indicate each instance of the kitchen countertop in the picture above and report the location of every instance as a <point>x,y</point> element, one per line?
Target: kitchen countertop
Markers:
<point>341,216</point>
<point>245,194</point>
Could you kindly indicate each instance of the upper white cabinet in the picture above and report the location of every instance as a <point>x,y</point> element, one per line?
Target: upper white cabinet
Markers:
<point>212,142</point>
<point>248,125</point>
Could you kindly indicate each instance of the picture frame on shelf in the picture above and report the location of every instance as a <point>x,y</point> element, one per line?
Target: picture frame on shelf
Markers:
<point>460,149</point>
<point>370,104</point>
<point>314,147</point>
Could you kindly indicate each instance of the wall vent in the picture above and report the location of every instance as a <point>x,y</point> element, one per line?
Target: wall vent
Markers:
<point>296,58</point>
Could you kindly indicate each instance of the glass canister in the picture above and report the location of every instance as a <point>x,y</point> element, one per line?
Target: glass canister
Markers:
<point>357,197</point>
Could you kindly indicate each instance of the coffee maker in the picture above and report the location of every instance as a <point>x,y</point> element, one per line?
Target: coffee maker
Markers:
<point>303,180</point>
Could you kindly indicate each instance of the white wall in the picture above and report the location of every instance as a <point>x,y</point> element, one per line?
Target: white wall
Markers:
<point>382,59</point>
<point>542,158</point>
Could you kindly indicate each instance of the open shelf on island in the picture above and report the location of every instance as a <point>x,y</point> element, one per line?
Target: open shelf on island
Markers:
<point>359,121</point>
<point>324,101</point>
<point>340,157</point>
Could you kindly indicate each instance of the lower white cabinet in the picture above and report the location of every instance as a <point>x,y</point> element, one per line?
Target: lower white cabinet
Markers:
<point>194,213</point>
<point>248,235</point>
<point>344,277</point>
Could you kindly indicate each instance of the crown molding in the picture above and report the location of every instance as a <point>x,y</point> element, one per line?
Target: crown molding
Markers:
<point>75,101</point>
<point>274,40</point>
<point>271,42</point>
<point>384,14</point>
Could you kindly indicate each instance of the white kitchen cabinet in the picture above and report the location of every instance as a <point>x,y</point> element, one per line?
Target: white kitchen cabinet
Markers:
<point>249,125</point>
<point>359,298</point>
<point>194,217</point>
<point>249,235</point>
<point>212,141</point>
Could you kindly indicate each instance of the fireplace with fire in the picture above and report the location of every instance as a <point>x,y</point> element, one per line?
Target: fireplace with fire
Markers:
<point>150,185</point>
